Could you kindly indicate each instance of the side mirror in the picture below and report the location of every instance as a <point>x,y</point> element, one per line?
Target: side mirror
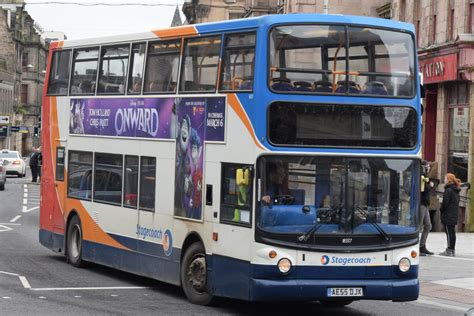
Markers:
<point>422,91</point>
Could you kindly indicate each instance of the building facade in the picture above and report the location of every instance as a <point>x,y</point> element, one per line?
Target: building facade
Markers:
<point>23,58</point>
<point>446,59</point>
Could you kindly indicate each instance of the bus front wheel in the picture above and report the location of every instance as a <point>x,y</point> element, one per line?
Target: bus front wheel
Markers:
<point>74,242</point>
<point>194,275</point>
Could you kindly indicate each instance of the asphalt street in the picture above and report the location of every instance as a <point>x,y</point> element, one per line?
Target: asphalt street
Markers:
<point>34,280</point>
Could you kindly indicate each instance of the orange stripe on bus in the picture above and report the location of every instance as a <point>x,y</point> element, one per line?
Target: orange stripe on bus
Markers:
<point>238,109</point>
<point>176,31</point>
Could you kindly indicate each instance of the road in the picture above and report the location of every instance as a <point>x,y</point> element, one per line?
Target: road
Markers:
<point>34,280</point>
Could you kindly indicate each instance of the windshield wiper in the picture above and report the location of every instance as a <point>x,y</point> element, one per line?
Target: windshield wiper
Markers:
<point>381,231</point>
<point>324,216</point>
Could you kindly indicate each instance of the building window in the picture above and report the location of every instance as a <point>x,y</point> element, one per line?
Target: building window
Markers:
<point>24,60</point>
<point>232,15</point>
<point>471,18</point>
<point>24,94</point>
<point>80,175</point>
<point>402,10</point>
<point>433,34</point>
<point>236,194</point>
<point>458,141</point>
<point>451,20</point>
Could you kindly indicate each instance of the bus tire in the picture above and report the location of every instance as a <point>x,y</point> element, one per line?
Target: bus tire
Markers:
<point>335,303</point>
<point>194,275</point>
<point>74,243</point>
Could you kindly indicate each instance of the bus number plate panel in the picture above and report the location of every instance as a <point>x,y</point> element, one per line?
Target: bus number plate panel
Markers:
<point>345,292</point>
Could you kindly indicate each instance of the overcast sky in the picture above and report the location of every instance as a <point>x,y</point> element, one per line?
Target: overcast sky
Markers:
<point>82,21</point>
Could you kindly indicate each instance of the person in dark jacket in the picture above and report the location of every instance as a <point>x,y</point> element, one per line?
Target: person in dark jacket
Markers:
<point>34,160</point>
<point>449,211</point>
<point>425,220</point>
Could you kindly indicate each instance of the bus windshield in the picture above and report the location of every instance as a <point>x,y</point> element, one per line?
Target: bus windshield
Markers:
<point>336,59</point>
<point>343,195</point>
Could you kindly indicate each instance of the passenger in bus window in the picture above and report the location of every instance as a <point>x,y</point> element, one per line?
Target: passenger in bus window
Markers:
<point>136,86</point>
<point>276,189</point>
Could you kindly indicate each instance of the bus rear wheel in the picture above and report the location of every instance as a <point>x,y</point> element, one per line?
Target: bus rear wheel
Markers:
<point>74,243</point>
<point>194,275</point>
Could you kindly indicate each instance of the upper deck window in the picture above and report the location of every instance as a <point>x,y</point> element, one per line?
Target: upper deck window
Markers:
<point>238,62</point>
<point>113,69</point>
<point>162,66</point>
<point>200,64</point>
<point>84,71</point>
<point>338,60</point>
<point>59,73</point>
<point>137,62</point>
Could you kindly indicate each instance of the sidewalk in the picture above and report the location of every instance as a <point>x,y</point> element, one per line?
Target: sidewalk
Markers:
<point>448,281</point>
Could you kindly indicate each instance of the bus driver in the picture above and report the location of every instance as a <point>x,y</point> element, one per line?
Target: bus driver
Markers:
<point>276,187</point>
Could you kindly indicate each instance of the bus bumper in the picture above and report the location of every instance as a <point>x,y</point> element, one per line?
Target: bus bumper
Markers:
<point>311,290</point>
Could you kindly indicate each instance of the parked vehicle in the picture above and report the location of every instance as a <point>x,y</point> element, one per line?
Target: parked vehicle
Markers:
<point>16,164</point>
<point>3,174</point>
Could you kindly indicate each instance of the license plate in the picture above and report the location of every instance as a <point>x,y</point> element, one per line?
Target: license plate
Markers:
<point>345,291</point>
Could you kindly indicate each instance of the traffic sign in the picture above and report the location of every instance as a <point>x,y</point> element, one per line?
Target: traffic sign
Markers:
<point>4,119</point>
<point>3,130</point>
<point>24,130</point>
<point>14,128</point>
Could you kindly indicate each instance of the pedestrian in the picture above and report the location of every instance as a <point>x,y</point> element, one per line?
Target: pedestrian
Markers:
<point>425,220</point>
<point>34,160</point>
<point>40,161</point>
<point>449,211</point>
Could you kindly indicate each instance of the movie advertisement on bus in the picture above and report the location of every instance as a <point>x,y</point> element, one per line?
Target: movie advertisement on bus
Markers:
<point>190,121</point>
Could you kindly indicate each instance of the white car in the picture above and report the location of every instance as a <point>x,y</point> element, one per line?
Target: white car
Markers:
<point>16,164</point>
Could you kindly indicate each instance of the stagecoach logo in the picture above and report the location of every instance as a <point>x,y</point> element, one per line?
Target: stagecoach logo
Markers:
<point>168,243</point>
<point>324,260</point>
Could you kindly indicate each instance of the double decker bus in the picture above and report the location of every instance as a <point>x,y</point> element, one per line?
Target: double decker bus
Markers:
<point>269,158</point>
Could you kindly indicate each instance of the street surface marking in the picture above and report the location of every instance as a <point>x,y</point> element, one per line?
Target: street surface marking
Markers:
<point>25,282</point>
<point>6,297</point>
<point>462,283</point>
<point>4,228</point>
<point>25,195</point>
<point>10,224</point>
<point>433,303</point>
<point>9,273</point>
<point>455,258</point>
<point>25,186</point>
<point>30,209</point>
<point>25,201</point>
<point>43,297</point>
<point>24,208</point>
<point>113,295</point>
<point>14,219</point>
<point>77,296</point>
<point>91,288</point>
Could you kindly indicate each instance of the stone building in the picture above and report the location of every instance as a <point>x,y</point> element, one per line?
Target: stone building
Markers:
<point>446,58</point>
<point>23,57</point>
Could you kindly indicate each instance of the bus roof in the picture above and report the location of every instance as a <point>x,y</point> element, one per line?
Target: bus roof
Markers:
<point>239,24</point>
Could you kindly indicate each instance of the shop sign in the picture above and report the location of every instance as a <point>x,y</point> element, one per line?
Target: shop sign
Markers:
<point>440,68</point>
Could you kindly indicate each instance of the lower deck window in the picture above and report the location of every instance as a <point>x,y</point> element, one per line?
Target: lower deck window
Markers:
<point>80,175</point>
<point>147,183</point>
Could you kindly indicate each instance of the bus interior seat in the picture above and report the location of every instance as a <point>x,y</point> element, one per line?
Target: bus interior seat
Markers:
<point>189,86</point>
<point>282,84</point>
<point>298,195</point>
<point>375,87</point>
<point>302,86</point>
<point>353,87</point>
<point>111,89</point>
<point>323,86</point>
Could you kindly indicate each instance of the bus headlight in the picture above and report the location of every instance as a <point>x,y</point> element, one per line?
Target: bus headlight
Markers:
<point>284,265</point>
<point>404,264</point>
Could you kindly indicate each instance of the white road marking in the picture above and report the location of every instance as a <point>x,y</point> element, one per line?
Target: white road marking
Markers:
<point>77,296</point>
<point>30,209</point>
<point>42,297</point>
<point>433,303</point>
<point>14,219</point>
<point>91,288</point>
<point>113,295</point>
<point>455,258</point>
<point>9,273</point>
<point>25,190</point>
<point>6,297</point>
<point>25,195</point>
<point>25,282</point>
<point>25,185</point>
<point>4,228</point>
<point>10,224</point>
<point>25,201</point>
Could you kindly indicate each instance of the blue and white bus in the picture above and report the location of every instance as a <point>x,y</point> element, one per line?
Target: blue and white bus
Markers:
<point>269,158</point>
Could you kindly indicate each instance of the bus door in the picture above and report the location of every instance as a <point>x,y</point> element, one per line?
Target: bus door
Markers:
<point>60,187</point>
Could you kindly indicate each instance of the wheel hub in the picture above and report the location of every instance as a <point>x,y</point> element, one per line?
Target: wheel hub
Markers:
<point>197,274</point>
